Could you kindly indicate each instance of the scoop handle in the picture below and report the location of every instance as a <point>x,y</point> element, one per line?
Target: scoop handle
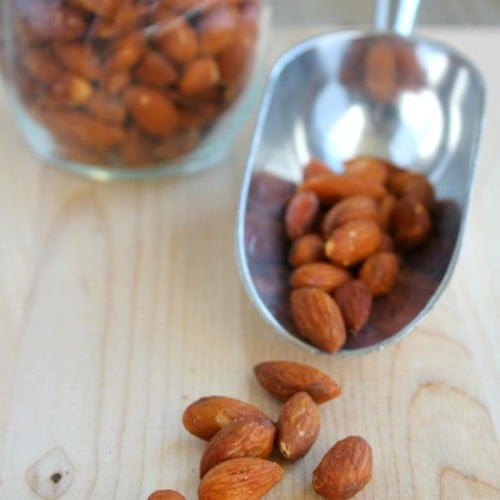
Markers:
<point>398,16</point>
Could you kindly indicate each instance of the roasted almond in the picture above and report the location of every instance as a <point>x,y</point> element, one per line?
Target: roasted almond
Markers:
<point>152,110</point>
<point>321,275</point>
<point>301,213</point>
<point>344,470</point>
<point>105,8</point>
<point>199,76</point>
<point>125,52</point>
<point>318,318</point>
<point>40,65</point>
<point>404,183</point>
<point>371,168</point>
<point>106,107</point>
<point>354,207</point>
<point>70,90</point>
<point>79,58</point>
<point>84,129</point>
<point>298,426</point>
<point>386,206</point>
<point>316,168</point>
<point>306,249</point>
<point>206,416</point>
<point>354,299</point>
<point>246,478</point>
<point>379,272</point>
<point>166,495</point>
<point>283,379</point>
<point>353,242</point>
<point>332,188</point>
<point>410,223</point>
<point>217,29</point>
<point>246,437</point>
<point>156,69</point>
<point>175,37</point>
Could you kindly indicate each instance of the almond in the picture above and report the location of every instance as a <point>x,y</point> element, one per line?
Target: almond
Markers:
<point>318,318</point>
<point>79,58</point>
<point>298,426</point>
<point>39,64</point>
<point>83,129</point>
<point>354,299</point>
<point>199,76</point>
<point>152,110</point>
<point>246,478</point>
<point>413,184</point>
<point>301,213</point>
<point>106,107</point>
<point>45,20</point>
<point>136,149</point>
<point>116,82</point>
<point>175,37</point>
<point>379,272</point>
<point>166,495</point>
<point>410,223</point>
<point>306,249</point>
<point>217,29</point>
<point>105,8</point>
<point>386,245</point>
<point>316,168</point>
<point>156,69</point>
<point>283,379</point>
<point>206,416</point>
<point>332,188</point>
<point>246,437</point>
<point>371,168</point>
<point>354,207</point>
<point>352,242</point>
<point>125,52</point>
<point>321,275</point>
<point>70,90</point>
<point>386,205</point>
<point>344,470</point>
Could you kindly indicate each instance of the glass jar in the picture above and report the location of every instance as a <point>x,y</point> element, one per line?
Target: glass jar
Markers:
<point>132,89</point>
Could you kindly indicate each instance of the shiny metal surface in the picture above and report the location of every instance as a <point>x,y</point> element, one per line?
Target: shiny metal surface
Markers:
<point>424,113</point>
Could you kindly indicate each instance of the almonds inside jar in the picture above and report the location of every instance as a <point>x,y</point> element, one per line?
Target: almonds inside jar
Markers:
<point>130,83</point>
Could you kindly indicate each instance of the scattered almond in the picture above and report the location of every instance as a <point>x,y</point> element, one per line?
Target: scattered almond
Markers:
<point>344,470</point>
<point>208,415</point>
<point>283,379</point>
<point>166,495</point>
<point>245,437</point>
<point>410,223</point>
<point>245,478</point>
<point>301,213</point>
<point>298,426</point>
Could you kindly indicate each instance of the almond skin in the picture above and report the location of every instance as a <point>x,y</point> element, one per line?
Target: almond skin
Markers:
<point>245,478</point>
<point>332,188</point>
<point>152,110</point>
<point>246,437</point>
<point>344,470</point>
<point>354,299</point>
<point>298,426</point>
<point>166,495</point>
<point>199,76</point>
<point>300,214</point>
<point>155,69</point>
<point>318,318</point>
<point>353,242</point>
<point>283,379</point>
<point>306,249</point>
<point>321,275</point>
<point>404,183</point>
<point>208,415</point>
<point>352,208</point>
<point>379,272</point>
<point>410,223</point>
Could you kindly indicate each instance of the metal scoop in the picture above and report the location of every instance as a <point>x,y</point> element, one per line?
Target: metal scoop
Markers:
<point>338,96</point>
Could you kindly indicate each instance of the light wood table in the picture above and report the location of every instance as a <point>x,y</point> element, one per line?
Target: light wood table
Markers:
<point>121,303</point>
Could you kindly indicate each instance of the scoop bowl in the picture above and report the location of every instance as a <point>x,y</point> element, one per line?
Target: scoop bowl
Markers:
<point>412,101</point>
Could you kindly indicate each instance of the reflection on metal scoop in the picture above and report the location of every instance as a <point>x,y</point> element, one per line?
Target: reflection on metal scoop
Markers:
<point>415,102</point>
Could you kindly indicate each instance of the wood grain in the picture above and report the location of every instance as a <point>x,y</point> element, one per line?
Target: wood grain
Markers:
<point>121,303</point>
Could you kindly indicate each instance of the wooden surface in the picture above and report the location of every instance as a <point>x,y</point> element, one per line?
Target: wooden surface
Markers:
<point>121,303</point>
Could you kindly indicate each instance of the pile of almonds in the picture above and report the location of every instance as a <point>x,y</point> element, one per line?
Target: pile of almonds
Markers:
<point>130,82</point>
<point>236,464</point>
<point>349,233</point>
